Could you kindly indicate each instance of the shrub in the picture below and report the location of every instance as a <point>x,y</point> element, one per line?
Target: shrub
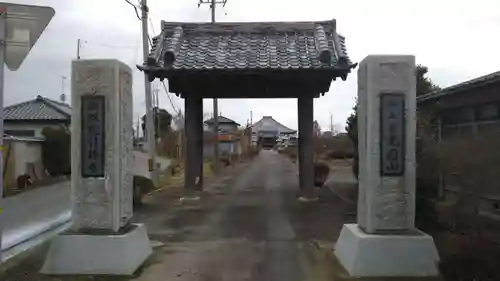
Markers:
<point>470,259</point>
<point>471,165</point>
<point>56,151</point>
<point>428,158</point>
<point>352,131</point>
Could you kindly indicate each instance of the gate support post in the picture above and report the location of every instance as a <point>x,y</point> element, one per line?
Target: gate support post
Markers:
<point>193,105</point>
<point>305,108</point>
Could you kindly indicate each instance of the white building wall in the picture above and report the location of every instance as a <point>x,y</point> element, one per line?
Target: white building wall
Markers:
<point>37,128</point>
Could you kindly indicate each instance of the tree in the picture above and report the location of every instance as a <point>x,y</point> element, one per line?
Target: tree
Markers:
<point>56,151</point>
<point>424,83</point>
<point>424,86</point>
<point>162,121</point>
<point>316,129</point>
<point>352,131</point>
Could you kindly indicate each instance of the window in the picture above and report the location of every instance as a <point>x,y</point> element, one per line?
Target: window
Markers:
<point>449,132</point>
<point>458,115</point>
<point>466,130</point>
<point>20,133</point>
<point>489,127</point>
<point>488,112</point>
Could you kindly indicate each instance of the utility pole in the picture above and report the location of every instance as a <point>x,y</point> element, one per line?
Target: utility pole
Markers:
<point>213,4</point>
<point>79,45</point>
<point>3,50</point>
<point>138,127</point>
<point>78,49</point>
<point>63,95</point>
<point>157,107</point>
<point>216,112</point>
<point>331,122</point>
<point>150,134</point>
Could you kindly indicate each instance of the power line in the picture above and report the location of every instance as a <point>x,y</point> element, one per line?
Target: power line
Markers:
<point>150,40</point>
<point>223,2</point>
<point>151,24</point>
<point>135,9</point>
<point>139,17</point>
<point>147,92</point>
<point>117,46</point>
<point>170,98</point>
<point>176,111</point>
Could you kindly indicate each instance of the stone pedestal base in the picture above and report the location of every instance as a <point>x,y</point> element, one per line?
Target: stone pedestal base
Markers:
<point>369,255</point>
<point>75,254</point>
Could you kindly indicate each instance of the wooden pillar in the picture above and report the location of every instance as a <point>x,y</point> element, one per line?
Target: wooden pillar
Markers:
<point>306,151</point>
<point>192,159</point>
<point>199,125</point>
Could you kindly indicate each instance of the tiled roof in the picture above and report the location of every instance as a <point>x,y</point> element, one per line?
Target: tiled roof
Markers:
<point>40,108</point>
<point>222,120</point>
<point>239,46</point>
<point>476,82</point>
<point>268,123</point>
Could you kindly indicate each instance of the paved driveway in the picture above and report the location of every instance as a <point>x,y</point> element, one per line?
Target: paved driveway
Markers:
<point>249,228</point>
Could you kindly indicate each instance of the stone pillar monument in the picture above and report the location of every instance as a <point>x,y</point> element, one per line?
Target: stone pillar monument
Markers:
<point>385,241</point>
<point>102,239</point>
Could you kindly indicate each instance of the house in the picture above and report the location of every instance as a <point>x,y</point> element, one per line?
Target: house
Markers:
<point>269,130</point>
<point>466,109</point>
<point>229,137</point>
<point>22,156</point>
<point>27,119</point>
<point>469,112</point>
<point>225,124</point>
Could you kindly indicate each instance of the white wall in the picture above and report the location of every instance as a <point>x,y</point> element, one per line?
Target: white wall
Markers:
<point>29,126</point>
<point>26,152</point>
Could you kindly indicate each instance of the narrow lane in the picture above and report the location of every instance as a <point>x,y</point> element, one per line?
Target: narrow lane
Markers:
<point>248,227</point>
<point>256,231</point>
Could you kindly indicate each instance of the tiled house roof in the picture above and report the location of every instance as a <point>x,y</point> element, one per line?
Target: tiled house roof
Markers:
<point>222,120</point>
<point>38,109</point>
<point>476,82</point>
<point>268,123</point>
<point>244,46</point>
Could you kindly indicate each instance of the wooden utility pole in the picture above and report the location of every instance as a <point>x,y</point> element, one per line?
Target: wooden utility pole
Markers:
<point>331,123</point>
<point>150,134</point>
<point>213,4</point>
<point>79,45</point>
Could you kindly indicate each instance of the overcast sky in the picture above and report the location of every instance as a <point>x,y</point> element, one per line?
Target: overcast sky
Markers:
<point>457,40</point>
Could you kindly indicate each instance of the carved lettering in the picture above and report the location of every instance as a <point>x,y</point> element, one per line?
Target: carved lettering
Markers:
<point>92,143</point>
<point>392,134</point>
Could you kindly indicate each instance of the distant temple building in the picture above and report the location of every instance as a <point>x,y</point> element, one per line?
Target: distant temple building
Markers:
<point>267,131</point>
